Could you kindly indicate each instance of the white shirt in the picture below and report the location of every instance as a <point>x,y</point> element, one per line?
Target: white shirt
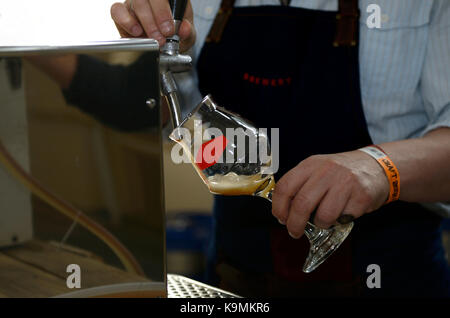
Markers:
<point>404,65</point>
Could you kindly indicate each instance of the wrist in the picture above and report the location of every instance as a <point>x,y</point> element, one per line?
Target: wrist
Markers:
<point>391,173</point>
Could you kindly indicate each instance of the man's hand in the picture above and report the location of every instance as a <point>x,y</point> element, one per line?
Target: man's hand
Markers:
<point>153,19</point>
<point>346,183</point>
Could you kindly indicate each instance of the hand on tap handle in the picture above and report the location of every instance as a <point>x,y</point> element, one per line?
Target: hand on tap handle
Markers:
<point>155,19</point>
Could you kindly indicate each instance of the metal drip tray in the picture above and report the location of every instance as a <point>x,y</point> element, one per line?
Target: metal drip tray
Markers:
<point>182,287</point>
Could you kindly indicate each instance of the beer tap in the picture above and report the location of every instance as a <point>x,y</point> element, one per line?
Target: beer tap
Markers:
<point>171,61</point>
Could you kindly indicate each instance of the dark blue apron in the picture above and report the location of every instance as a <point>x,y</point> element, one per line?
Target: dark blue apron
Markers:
<point>298,70</point>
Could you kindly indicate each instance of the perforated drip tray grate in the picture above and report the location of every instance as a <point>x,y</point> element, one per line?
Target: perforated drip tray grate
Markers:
<point>182,287</point>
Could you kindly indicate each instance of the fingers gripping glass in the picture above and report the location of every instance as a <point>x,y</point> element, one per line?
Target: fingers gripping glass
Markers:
<point>236,160</point>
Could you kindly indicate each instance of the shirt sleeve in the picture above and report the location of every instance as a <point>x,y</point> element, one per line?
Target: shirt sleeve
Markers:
<point>435,81</point>
<point>116,95</point>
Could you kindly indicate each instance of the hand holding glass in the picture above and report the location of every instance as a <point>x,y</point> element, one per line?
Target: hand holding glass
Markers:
<point>241,175</point>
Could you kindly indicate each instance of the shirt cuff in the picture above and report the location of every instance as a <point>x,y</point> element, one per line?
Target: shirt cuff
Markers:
<point>442,120</point>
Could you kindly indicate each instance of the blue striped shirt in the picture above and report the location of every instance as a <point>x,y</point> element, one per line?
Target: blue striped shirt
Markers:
<point>404,65</point>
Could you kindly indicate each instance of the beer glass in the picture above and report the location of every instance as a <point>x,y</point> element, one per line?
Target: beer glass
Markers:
<point>236,159</point>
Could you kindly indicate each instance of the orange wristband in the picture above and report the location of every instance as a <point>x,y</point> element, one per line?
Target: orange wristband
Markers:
<point>389,169</point>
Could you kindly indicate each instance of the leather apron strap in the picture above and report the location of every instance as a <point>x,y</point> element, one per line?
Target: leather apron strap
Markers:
<point>347,23</point>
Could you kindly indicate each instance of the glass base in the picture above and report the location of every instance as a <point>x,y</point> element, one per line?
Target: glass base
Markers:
<point>324,243</point>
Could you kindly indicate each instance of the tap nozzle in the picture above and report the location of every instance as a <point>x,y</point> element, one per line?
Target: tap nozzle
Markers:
<point>172,61</point>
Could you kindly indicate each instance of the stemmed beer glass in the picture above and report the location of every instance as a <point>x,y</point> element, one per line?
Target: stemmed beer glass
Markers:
<point>240,164</point>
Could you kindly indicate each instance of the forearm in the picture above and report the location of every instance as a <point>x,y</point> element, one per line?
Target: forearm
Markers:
<point>60,68</point>
<point>424,166</point>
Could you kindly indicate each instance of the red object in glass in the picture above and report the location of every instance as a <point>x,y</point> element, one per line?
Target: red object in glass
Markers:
<point>210,152</point>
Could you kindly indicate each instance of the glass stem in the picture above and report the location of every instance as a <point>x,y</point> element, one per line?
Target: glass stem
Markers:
<point>323,242</point>
<point>315,234</point>
<point>312,232</point>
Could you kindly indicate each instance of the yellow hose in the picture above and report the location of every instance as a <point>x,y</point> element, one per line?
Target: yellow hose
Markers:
<point>125,256</point>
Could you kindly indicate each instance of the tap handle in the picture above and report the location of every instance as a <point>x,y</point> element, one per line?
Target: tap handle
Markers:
<point>178,8</point>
